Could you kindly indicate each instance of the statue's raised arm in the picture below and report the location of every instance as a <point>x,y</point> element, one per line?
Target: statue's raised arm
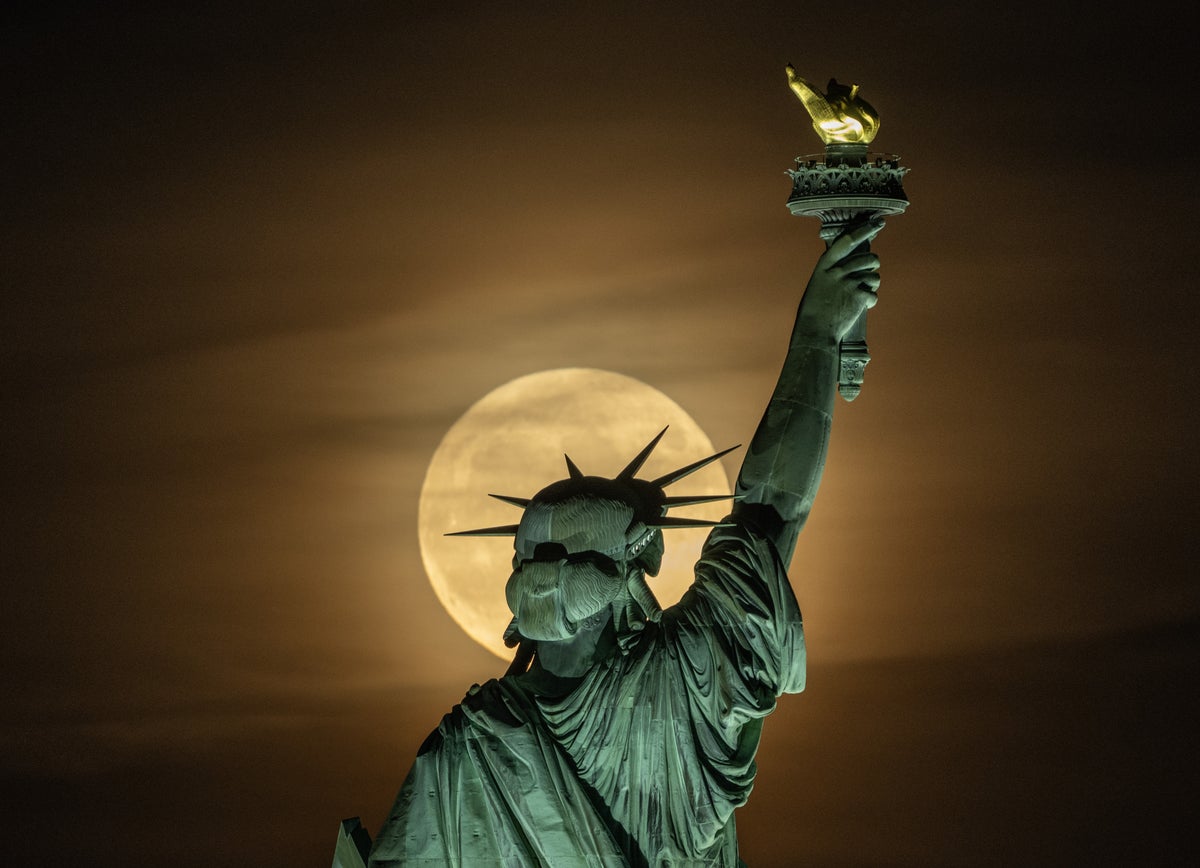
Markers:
<point>782,469</point>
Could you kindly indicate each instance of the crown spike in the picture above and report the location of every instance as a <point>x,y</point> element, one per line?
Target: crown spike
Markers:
<point>675,476</point>
<point>575,472</point>
<point>522,502</point>
<point>502,530</point>
<point>638,460</point>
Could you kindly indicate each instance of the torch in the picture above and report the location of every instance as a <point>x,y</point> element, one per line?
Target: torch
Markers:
<point>843,187</point>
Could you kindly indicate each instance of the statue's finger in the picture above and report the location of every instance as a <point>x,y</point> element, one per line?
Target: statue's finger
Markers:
<point>847,241</point>
<point>857,262</point>
<point>869,280</point>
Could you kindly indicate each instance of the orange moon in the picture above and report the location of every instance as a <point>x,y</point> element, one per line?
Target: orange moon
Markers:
<point>512,442</point>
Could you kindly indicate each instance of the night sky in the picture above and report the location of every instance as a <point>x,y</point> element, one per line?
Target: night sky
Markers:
<point>258,258</point>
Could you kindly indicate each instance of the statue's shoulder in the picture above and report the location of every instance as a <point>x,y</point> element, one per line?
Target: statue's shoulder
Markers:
<point>493,707</point>
<point>508,699</point>
<point>743,547</point>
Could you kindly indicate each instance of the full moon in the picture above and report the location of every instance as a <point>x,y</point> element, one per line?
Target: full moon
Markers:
<point>512,442</point>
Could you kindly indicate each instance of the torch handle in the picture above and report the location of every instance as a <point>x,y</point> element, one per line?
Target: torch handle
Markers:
<point>853,354</point>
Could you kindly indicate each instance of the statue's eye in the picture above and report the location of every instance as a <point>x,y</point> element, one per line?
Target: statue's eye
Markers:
<point>549,551</point>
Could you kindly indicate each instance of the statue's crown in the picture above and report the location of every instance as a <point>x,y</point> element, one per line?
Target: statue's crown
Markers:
<point>642,501</point>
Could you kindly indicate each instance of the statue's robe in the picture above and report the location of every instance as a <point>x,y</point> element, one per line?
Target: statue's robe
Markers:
<point>640,762</point>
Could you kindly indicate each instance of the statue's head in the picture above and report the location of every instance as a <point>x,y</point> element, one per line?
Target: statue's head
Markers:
<point>583,549</point>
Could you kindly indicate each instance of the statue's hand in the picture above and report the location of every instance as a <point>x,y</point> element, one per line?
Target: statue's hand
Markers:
<point>842,286</point>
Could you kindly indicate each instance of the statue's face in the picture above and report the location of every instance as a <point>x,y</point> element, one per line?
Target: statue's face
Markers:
<point>555,593</point>
<point>569,565</point>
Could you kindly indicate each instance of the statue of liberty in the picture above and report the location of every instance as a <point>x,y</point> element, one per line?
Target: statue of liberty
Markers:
<point>624,734</point>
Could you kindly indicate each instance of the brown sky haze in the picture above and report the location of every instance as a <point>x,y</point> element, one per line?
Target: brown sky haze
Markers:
<point>258,260</point>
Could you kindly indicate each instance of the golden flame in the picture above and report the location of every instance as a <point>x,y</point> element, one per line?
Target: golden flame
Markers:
<point>838,116</point>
